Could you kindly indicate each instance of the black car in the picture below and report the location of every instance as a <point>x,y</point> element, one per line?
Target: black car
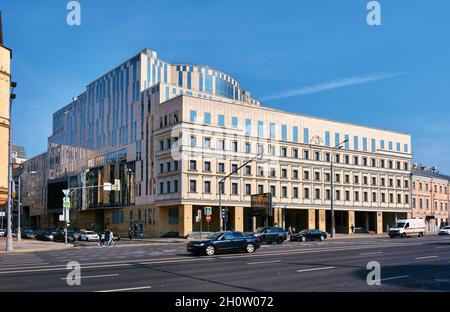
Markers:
<point>44,236</point>
<point>305,235</point>
<point>59,236</point>
<point>271,235</point>
<point>28,234</point>
<point>229,241</point>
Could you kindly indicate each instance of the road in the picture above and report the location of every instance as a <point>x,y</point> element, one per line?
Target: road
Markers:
<point>411,264</point>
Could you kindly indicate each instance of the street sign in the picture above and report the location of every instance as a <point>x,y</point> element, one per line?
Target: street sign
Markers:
<point>66,202</point>
<point>2,214</point>
<point>61,218</point>
<point>66,192</point>
<point>208,218</point>
<point>107,186</point>
<point>208,211</point>
<point>116,186</point>
<point>66,214</point>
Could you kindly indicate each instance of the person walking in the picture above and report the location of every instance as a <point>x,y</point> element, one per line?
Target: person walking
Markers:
<point>353,229</point>
<point>130,233</point>
<point>102,239</point>
<point>111,239</point>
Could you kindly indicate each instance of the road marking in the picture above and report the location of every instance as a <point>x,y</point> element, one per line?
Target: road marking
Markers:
<point>370,253</point>
<point>427,257</point>
<point>92,276</point>
<point>263,262</point>
<point>439,247</point>
<point>315,269</point>
<point>64,269</point>
<point>172,261</point>
<point>441,280</point>
<point>125,289</point>
<point>393,278</point>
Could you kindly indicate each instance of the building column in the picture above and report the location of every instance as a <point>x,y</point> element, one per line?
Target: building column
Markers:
<point>186,219</point>
<point>311,219</point>
<point>379,222</point>
<point>351,221</point>
<point>254,224</point>
<point>408,215</point>
<point>278,217</point>
<point>322,222</point>
<point>239,219</point>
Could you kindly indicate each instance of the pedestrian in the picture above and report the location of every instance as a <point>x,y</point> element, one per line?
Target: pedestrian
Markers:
<point>111,239</point>
<point>387,228</point>
<point>353,229</point>
<point>130,233</point>
<point>102,239</point>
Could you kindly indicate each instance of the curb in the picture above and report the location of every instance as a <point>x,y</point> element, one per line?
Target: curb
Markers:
<point>31,250</point>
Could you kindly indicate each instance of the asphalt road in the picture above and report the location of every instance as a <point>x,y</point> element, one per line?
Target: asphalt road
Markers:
<point>411,264</point>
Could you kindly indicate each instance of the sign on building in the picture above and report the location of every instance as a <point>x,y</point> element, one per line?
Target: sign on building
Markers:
<point>261,205</point>
<point>208,211</point>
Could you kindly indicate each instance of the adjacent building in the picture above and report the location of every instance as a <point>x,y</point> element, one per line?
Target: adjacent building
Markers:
<point>430,196</point>
<point>167,133</point>
<point>5,83</point>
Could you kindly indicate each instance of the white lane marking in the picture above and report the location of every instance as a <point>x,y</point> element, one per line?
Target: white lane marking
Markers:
<point>439,247</point>
<point>426,257</point>
<point>175,261</point>
<point>125,289</point>
<point>64,269</point>
<point>370,253</point>
<point>93,276</point>
<point>393,278</point>
<point>263,262</point>
<point>441,280</point>
<point>316,269</point>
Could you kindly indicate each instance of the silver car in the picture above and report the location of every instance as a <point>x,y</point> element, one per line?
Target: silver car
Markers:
<point>445,230</point>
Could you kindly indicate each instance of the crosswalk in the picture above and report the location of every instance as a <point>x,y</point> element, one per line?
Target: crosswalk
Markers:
<point>23,259</point>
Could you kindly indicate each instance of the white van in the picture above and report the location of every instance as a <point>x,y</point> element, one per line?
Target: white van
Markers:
<point>408,227</point>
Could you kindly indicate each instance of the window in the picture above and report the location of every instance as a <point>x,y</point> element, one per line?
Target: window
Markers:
<point>346,159</point>
<point>221,145</point>
<point>391,198</point>
<point>234,146</point>
<point>399,198</point>
<point>248,148</point>
<point>365,197</point>
<point>374,146</point>
<point>317,156</point>
<point>283,152</point>
<point>305,154</point>
<point>295,134</point>
<point>338,195</point>
<point>398,147</point>
<point>347,178</point>
<point>356,179</point>
<point>207,118</point>
<point>383,197</point>
<point>193,141</point>
<point>317,193</point>
<point>306,193</point>
<point>390,146</point>
<point>294,153</point>
<point>284,191</point>
<point>193,116</point>
<point>207,187</point>
<point>283,132</point>
<point>407,200</point>
<point>260,171</point>
<point>272,190</point>
<point>295,192</point>
<point>175,165</point>
<point>272,130</point>
<point>327,194</point>
<point>382,163</point>
<point>399,183</point>
<point>347,141</point>
<point>248,127</point>
<point>347,195</point>
<point>193,186</point>
<point>405,148</point>
<point>161,188</point>
<point>374,181</point>
<point>327,138</point>
<point>374,162</point>
<point>168,165</point>
<point>365,145</point>
<point>364,161</point>
<point>221,167</point>
<point>355,160</point>
<point>356,197</point>
<point>306,136</point>
<point>234,188</point>
<point>207,166</point>
<point>374,197</point>
<point>261,129</point>
<point>193,165</point>
<point>365,180</point>
<point>207,143</point>
<point>391,182</point>
<point>338,178</point>
<point>327,157</point>
<point>234,122</point>
<point>260,149</point>
<point>271,150</point>
<point>173,216</point>
<point>284,173</point>
<point>317,176</point>
<point>260,189</point>
<point>306,175</point>
<point>272,172</point>
<point>295,174</point>
<point>248,170</point>
<point>161,145</point>
<point>175,186</point>
<point>248,189</point>
<point>234,168</point>
<point>221,121</point>
<point>355,143</point>
<point>161,168</point>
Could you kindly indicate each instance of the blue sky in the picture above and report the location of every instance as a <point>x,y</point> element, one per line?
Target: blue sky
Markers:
<point>321,53</point>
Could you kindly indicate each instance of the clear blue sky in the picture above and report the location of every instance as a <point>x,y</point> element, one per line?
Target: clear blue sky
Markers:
<point>321,52</point>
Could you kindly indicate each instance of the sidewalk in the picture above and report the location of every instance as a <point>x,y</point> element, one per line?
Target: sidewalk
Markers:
<point>30,245</point>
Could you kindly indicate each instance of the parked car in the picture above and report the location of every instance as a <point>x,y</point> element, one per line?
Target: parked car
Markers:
<point>306,235</point>
<point>230,241</point>
<point>445,230</point>
<point>60,236</point>
<point>28,234</point>
<point>44,235</point>
<point>2,232</point>
<point>89,236</point>
<point>271,235</point>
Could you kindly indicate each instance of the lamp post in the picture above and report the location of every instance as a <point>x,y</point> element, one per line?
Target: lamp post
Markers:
<point>333,225</point>
<point>19,205</point>
<point>222,218</point>
<point>9,238</point>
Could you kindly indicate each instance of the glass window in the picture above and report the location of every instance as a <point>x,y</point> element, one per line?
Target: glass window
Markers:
<point>260,129</point>
<point>207,166</point>
<point>294,153</point>
<point>221,144</point>
<point>180,79</point>
<point>405,148</point>
<point>355,143</point>
<point>283,152</point>
<point>390,146</point>
<point>221,121</point>
<point>337,139</point>
<point>221,167</point>
<point>207,142</point>
<point>193,186</point>
<point>364,144</point>
<point>207,187</point>
<point>173,216</point>
<point>193,141</point>
<point>248,148</point>
<point>189,80</point>
<point>382,144</point>
<point>272,130</point>
<point>248,189</point>
<point>284,132</point>
<point>248,127</point>
<point>193,116</point>
<point>374,146</point>
<point>327,139</point>
<point>207,119</point>
<point>398,147</point>
<point>234,122</point>
<point>306,136</point>
<point>347,143</point>
<point>193,165</point>
<point>234,188</point>
<point>295,134</point>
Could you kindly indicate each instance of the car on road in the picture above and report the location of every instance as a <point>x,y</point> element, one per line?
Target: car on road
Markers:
<point>44,235</point>
<point>2,232</point>
<point>271,235</point>
<point>307,235</point>
<point>89,236</point>
<point>28,234</point>
<point>445,230</point>
<point>229,241</point>
<point>407,227</point>
<point>60,236</point>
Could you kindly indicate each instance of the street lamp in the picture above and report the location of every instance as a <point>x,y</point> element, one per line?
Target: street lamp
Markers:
<point>19,205</point>
<point>222,217</point>
<point>333,226</point>
<point>9,238</point>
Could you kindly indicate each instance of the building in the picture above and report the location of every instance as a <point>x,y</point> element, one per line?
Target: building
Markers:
<point>430,196</point>
<point>167,133</point>
<point>5,83</point>
<point>18,155</point>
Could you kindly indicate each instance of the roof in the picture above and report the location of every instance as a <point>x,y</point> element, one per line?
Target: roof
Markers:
<point>429,174</point>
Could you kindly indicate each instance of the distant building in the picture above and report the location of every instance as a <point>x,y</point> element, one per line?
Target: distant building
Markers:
<point>430,196</point>
<point>18,155</point>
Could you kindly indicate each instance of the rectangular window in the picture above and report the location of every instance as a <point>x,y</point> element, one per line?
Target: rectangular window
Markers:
<point>405,148</point>
<point>374,146</point>
<point>175,186</point>
<point>193,141</point>
<point>207,119</point>
<point>180,79</point>
<point>295,192</point>
<point>221,168</point>
<point>193,165</point>
<point>221,145</point>
<point>355,143</point>
<point>234,122</point>
<point>283,152</point>
<point>382,144</point>
<point>261,129</point>
<point>248,127</point>
<point>207,143</point>
<point>364,144</point>
<point>283,132</point>
<point>221,121</point>
<point>305,154</point>
<point>234,168</point>
<point>295,134</point>
<point>207,187</point>
<point>234,146</point>
<point>173,216</point>
<point>248,189</point>
<point>398,147</point>
<point>193,116</point>
<point>272,190</point>
<point>248,170</point>
<point>260,189</point>
<point>272,172</point>
<point>347,141</point>
<point>248,148</point>
<point>295,174</point>
<point>327,139</point>
<point>294,153</point>
<point>272,130</point>
<point>390,146</point>
<point>161,188</point>
<point>207,166</point>
<point>306,136</point>
<point>337,139</point>
<point>284,191</point>
<point>284,173</point>
<point>193,186</point>
<point>260,171</point>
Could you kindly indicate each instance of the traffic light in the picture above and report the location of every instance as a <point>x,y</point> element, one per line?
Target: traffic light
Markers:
<point>225,213</point>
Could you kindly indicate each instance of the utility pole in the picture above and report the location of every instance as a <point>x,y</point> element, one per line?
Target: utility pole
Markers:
<point>333,224</point>
<point>19,204</point>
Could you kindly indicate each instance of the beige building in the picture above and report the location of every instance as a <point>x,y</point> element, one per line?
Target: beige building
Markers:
<point>169,132</point>
<point>430,197</point>
<point>5,83</point>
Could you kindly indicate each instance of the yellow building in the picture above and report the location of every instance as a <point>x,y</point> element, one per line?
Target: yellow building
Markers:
<point>5,83</point>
